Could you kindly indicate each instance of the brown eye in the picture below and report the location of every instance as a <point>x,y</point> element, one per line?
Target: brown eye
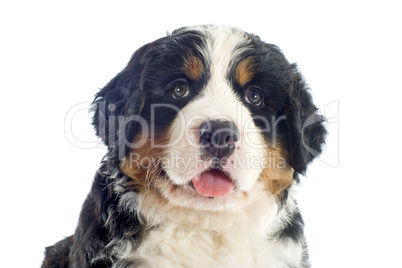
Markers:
<point>254,97</point>
<point>180,91</point>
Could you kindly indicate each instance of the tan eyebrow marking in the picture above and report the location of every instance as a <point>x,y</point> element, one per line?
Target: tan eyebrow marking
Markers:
<point>245,71</point>
<point>193,67</point>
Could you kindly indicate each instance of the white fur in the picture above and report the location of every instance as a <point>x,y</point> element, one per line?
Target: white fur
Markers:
<point>232,238</point>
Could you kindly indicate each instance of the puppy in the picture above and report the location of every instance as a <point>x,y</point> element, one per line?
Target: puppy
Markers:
<point>208,130</point>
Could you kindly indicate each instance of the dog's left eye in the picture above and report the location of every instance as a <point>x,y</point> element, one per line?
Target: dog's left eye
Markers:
<point>180,91</point>
<point>254,96</point>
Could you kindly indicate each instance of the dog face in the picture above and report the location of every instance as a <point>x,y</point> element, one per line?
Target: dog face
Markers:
<point>207,118</point>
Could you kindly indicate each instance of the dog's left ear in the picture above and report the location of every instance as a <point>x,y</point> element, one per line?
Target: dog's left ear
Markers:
<point>306,127</point>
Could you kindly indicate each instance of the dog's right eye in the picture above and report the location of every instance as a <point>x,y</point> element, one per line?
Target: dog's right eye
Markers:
<point>180,91</point>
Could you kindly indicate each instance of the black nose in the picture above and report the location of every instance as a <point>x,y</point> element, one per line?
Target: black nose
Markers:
<point>218,137</point>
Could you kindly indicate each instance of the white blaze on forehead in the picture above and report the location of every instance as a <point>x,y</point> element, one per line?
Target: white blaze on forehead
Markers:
<point>222,46</point>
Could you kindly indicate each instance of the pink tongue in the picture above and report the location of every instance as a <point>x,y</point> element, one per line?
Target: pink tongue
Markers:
<point>213,184</point>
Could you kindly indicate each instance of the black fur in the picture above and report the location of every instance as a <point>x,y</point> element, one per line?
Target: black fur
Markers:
<point>306,130</point>
<point>57,256</point>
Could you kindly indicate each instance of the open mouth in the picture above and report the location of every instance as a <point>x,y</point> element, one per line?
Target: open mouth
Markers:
<point>213,183</point>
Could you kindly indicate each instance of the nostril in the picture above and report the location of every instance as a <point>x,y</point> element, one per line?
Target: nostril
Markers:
<point>231,138</point>
<point>233,135</point>
<point>205,132</point>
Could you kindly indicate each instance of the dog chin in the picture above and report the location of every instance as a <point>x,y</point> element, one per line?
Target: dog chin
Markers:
<point>186,196</point>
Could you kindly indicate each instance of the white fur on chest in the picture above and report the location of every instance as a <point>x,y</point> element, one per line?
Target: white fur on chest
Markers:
<point>236,239</point>
<point>175,248</point>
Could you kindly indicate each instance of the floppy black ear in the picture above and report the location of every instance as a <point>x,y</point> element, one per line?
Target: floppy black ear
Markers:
<point>117,107</point>
<point>306,130</point>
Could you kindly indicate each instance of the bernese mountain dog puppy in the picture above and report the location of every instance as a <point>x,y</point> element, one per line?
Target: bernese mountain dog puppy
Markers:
<point>208,130</point>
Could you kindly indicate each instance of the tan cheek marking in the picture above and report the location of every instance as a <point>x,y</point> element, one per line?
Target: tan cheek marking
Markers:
<point>245,71</point>
<point>277,175</point>
<point>193,67</point>
<point>142,164</point>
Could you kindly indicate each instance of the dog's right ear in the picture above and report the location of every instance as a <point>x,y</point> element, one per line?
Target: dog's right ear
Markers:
<point>117,106</point>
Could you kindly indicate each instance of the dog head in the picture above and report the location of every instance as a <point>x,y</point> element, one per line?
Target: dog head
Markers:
<point>207,117</point>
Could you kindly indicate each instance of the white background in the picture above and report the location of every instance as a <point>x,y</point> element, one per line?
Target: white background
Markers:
<point>56,55</point>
